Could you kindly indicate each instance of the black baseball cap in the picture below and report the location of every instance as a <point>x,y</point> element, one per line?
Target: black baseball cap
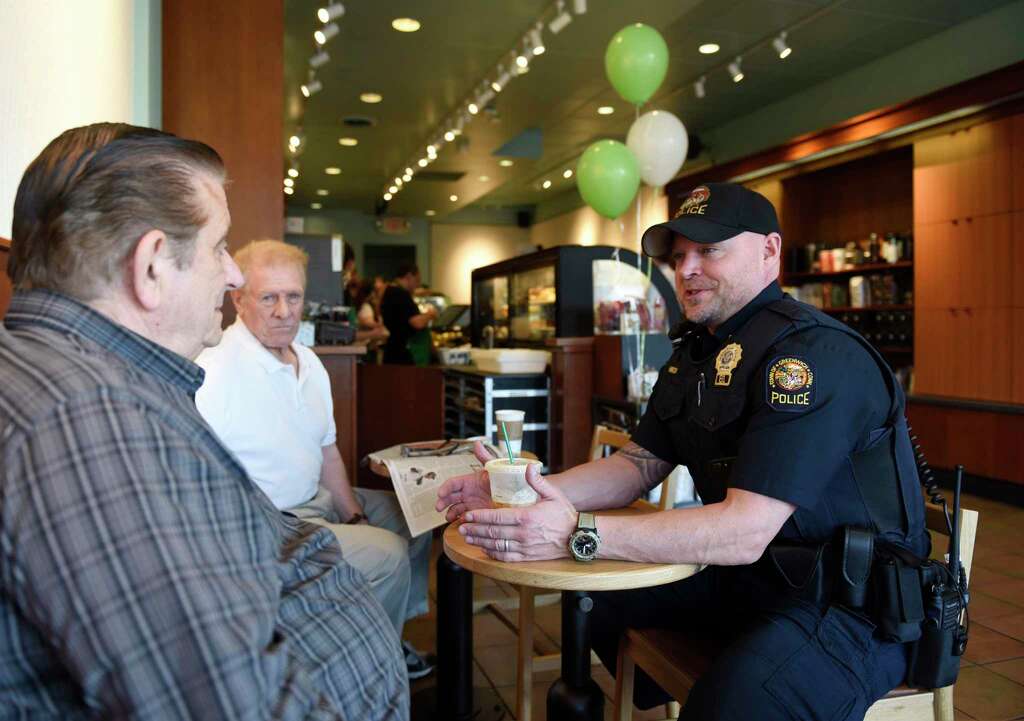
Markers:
<point>712,213</point>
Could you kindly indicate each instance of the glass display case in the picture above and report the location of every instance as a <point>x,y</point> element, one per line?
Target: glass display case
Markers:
<point>570,291</point>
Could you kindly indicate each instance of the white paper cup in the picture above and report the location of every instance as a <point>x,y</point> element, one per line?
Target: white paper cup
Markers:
<point>508,482</point>
<point>513,421</point>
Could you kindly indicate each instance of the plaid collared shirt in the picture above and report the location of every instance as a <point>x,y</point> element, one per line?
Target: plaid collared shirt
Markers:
<point>143,574</point>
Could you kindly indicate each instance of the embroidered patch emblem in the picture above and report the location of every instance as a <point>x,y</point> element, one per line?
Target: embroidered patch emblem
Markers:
<point>672,370</point>
<point>726,362</point>
<point>695,203</point>
<point>790,385</point>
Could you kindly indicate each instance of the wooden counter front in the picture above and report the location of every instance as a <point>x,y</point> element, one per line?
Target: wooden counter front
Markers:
<point>340,362</point>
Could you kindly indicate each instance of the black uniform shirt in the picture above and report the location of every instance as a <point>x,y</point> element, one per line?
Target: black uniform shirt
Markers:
<point>396,308</point>
<point>793,452</point>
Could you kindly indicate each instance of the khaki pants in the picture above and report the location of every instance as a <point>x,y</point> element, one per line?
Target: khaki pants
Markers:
<point>396,565</point>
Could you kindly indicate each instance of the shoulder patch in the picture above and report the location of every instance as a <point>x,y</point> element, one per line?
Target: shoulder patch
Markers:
<point>789,385</point>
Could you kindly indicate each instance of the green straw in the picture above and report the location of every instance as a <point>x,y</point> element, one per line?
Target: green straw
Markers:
<point>508,446</point>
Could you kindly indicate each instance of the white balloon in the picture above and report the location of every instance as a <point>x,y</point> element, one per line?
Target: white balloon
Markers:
<point>659,141</point>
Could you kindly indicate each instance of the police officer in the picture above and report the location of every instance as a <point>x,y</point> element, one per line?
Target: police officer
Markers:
<point>793,429</point>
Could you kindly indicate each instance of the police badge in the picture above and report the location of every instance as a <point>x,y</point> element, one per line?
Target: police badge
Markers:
<point>726,362</point>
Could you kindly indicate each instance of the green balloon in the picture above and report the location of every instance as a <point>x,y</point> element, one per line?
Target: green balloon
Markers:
<point>608,177</point>
<point>635,62</point>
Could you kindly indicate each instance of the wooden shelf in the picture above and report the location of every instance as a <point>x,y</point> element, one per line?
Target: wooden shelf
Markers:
<point>870,308</point>
<point>855,270</point>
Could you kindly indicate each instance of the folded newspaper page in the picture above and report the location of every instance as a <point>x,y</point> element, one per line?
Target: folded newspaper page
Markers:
<point>416,478</point>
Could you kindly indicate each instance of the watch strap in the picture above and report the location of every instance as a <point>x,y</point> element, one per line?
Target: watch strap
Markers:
<point>588,521</point>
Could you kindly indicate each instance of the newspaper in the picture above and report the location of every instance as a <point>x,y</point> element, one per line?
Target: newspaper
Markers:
<point>417,479</point>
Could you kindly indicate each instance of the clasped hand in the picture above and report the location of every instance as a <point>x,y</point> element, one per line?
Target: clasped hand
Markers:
<point>533,533</point>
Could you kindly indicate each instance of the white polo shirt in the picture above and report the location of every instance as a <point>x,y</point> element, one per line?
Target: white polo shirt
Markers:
<point>274,422</point>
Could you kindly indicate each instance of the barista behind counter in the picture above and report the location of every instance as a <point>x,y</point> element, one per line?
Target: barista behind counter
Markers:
<point>409,342</point>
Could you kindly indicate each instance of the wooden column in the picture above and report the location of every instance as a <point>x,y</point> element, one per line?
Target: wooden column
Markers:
<point>572,372</point>
<point>5,282</point>
<point>340,362</point>
<point>223,84</point>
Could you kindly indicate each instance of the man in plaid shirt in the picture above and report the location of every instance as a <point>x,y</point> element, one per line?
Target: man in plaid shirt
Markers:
<point>143,574</point>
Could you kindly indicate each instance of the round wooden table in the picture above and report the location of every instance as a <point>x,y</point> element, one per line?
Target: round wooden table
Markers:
<point>574,695</point>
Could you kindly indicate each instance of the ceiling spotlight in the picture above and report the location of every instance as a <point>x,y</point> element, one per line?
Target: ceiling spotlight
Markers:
<point>579,7</point>
<point>319,58</point>
<point>311,88</point>
<point>473,109</point>
<point>392,190</point>
<point>332,170</point>
<point>388,196</point>
<point>288,191</point>
<point>408,171</point>
<point>453,197</point>
<point>325,33</point>
<point>405,25</point>
<point>293,172</point>
<point>348,142</point>
<point>536,41</point>
<point>316,206</point>
<point>398,182</point>
<point>735,71</point>
<point>708,48</point>
<point>407,177</point>
<point>698,87</point>
<point>321,192</point>
<point>502,80</point>
<point>449,135</point>
<point>562,18</point>
<point>422,162</point>
<point>506,163</point>
<point>331,12</point>
<point>289,183</point>
<point>483,178</point>
<point>371,98</point>
<point>522,61</point>
<point>295,141</point>
<point>605,110</point>
<point>546,184</point>
<point>567,173</point>
<point>781,47</point>
<point>430,212</point>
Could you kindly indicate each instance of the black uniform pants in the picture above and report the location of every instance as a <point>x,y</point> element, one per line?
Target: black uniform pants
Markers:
<point>780,658</point>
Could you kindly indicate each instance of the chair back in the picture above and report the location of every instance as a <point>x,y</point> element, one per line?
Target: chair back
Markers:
<point>935,521</point>
<point>606,441</point>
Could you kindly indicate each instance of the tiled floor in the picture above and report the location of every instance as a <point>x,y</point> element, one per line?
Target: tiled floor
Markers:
<point>991,683</point>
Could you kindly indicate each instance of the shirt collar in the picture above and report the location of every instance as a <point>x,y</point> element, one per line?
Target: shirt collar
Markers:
<point>68,316</point>
<point>770,294</point>
<point>259,352</point>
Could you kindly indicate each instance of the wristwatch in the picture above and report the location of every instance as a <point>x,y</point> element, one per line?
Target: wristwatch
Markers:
<point>585,540</point>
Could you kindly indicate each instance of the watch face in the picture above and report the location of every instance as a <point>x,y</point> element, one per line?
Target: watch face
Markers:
<point>584,544</point>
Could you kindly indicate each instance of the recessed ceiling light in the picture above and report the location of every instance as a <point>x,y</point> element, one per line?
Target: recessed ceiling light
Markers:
<point>332,171</point>
<point>316,206</point>
<point>430,212</point>
<point>405,25</point>
<point>407,177</point>
<point>568,173</point>
<point>483,178</point>
<point>546,184</point>
<point>449,135</point>
<point>393,189</point>
<point>605,110</point>
<point>332,12</point>
<point>453,197</point>
<point>422,162</point>
<point>321,192</point>
<point>506,163</point>
<point>293,172</point>
<point>388,196</point>
<point>288,191</point>
<point>348,142</point>
<point>473,108</point>
<point>289,183</point>
<point>708,48</point>
<point>371,98</point>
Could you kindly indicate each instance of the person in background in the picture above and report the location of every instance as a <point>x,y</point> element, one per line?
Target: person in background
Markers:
<point>793,428</point>
<point>269,400</point>
<point>144,576</point>
<point>368,312</point>
<point>409,342</point>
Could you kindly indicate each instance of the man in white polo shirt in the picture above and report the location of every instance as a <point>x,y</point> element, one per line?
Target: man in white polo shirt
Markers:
<point>269,400</point>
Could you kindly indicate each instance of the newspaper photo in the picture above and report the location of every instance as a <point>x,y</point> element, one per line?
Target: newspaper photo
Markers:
<point>416,477</point>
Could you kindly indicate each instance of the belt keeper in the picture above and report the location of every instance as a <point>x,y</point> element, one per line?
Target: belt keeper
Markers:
<point>856,549</point>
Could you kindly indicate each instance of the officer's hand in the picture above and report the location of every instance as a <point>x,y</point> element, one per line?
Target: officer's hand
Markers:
<point>466,493</point>
<point>535,533</point>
